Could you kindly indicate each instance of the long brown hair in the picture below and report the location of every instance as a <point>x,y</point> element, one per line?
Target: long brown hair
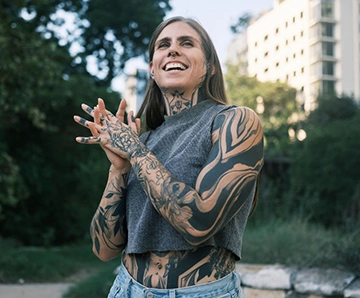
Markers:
<point>213,86</point>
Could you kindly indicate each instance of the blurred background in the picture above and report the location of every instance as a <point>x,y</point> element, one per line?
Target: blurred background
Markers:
<point>295,62</point>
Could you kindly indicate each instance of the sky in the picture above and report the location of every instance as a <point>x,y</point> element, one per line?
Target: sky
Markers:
<point>216,16</point>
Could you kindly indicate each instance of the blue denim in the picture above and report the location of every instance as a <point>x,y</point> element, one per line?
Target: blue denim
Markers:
<point>226,287</point>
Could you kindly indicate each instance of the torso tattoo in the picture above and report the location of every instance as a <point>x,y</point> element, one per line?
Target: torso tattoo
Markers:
<point>176,269</point>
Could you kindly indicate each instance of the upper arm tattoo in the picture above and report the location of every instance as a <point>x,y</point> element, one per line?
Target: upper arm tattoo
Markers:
<point>230,173</point>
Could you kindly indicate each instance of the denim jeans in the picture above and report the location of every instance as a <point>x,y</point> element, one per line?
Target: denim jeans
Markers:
<point>226,287</point>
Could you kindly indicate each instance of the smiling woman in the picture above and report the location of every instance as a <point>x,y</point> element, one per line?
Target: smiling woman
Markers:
<point>178,197</point>
<point>178,65</point>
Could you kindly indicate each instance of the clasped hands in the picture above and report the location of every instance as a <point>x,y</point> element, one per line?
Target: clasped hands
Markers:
<point>119,140</point>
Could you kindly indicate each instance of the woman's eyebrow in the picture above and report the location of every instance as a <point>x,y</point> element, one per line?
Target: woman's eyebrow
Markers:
<point>164,39</point>
<point>180,38</point>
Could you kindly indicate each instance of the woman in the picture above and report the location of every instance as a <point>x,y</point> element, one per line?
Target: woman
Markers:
<point>178,197</point>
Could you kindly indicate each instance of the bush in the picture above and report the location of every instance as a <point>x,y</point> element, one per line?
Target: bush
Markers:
<point>325,170</point>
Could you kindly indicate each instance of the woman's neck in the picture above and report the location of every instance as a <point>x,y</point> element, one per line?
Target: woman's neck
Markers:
<point>177,101</point>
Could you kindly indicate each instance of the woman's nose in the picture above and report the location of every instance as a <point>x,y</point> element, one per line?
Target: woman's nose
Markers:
<point>174,51</point>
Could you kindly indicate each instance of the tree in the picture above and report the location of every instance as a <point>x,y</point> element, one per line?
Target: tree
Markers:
<point>326,166</point>
<point>242,23</point>
<point>49,184</point>
<point>118,31</point>
<point>275,103</point>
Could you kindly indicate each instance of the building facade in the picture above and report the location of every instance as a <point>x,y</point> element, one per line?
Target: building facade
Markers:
<point>311,44</point>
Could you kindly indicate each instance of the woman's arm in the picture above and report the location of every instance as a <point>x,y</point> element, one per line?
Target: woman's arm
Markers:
<point>108,228</point>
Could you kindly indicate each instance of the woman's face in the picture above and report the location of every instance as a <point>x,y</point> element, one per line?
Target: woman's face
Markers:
<point>178,63</point>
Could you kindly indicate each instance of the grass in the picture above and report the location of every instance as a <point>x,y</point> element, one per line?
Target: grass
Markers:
<point>97,285</point>
<point>296,243</point>
<point>301,244</point>
<point>36,264</point>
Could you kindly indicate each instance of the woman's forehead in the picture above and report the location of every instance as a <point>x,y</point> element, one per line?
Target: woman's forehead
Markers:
<point>178,29</point>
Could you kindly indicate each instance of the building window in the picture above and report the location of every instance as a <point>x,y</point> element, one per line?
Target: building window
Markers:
<point>256,60</point>
<point>294,73</point>
<point>277,64</point>
<point>266,37</point>
<point>327,8</point>
<point>302,52</point>
<point>293,19</point>
<point>266,70</point>
<point>302,33</point>
<point>294,38</point>
<point>255,44</point>
<point>302,69</point>
<point>327,29</point>
<point>277,48</point>
<point>301,14</point>
<point>328,87</point>
<point>287,59</point>
<point>286,42</point>
<point>294,55</point>
<point>328,48</point>
<point>286,24</point>
<point>328,68</point>
<point>266,54</point>
<point>277,30</point>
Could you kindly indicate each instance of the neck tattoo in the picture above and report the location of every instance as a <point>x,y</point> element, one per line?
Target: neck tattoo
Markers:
<point>176,102</point>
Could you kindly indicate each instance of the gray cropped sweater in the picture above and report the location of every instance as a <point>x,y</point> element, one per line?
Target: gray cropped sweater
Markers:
<point>182,144</point>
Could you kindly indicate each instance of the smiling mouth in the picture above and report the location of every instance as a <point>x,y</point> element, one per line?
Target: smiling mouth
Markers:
<point>175,67</point>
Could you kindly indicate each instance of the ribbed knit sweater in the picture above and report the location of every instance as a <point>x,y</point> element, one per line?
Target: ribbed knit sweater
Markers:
<point>182,144</point>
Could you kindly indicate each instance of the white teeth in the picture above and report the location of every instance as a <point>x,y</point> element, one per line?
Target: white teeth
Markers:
<point>174,66</point>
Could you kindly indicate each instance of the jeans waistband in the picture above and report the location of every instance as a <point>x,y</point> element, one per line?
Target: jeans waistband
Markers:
<point>231,282</point>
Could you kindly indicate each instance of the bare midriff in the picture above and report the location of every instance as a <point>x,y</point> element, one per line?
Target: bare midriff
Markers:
<point>176,269</point>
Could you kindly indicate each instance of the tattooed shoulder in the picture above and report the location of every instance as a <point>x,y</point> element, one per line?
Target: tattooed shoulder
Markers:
<point>235,123</point>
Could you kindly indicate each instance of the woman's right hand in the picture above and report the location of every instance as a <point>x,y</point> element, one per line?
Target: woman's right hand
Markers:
<point>99,113</point>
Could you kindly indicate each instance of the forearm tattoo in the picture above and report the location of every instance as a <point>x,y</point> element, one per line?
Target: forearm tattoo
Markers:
<point>108,227</point>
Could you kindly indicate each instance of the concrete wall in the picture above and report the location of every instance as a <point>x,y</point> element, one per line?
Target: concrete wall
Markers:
<point>276,281</point>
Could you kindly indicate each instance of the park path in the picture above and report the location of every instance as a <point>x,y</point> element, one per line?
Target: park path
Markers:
<point>53,290</point>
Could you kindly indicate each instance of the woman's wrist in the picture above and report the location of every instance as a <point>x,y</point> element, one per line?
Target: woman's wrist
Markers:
<point>124,169</point>
<point>140,151</point>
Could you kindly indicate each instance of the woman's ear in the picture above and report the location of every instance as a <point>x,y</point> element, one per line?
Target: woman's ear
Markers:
<point>213,70</point>
<point>151,69</point>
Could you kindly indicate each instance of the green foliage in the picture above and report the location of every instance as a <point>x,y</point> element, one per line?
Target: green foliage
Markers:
<point>242,23</point>
<point>318,179</point>
<point>327,165</point>
<point>64,179</point>
<point>97,285</point>
<point>118,31</point>
<point>300,243</point>
<point>50,185</point>
<point>35,264</point>
<point>331,108</point>
<point>11,182</point>
<point>275,103</point>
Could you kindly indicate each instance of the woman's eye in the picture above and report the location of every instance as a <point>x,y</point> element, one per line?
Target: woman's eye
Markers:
<point>187,43</point>
<point>163,45</point>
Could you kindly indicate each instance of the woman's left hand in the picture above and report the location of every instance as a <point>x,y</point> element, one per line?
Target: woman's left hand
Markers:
<point>111,133</point>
